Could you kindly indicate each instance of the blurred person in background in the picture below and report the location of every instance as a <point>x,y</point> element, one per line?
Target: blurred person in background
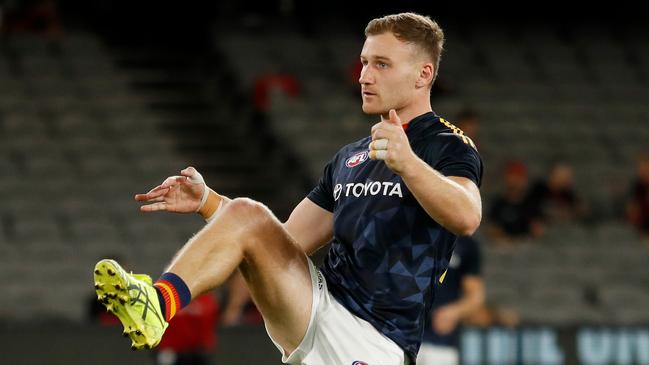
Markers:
<point>366,304</point>
<point>238,308</point>
<point>491,314</point>
<point>191,336</point>
<point>556,196</point>
<point>637,209</point>
<point>513,215</point>
<point>461,294</point>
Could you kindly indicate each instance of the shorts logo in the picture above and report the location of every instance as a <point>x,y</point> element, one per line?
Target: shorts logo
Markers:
<point>356,160</point>
<point>337,190</point>
<point>359,363</point>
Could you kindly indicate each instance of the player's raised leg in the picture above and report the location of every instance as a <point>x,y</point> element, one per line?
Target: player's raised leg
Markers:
<point>244,235</point>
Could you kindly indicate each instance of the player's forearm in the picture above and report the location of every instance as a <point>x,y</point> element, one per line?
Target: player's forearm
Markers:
<point>445,200</point>
<point>214,203</point>
<point>310,226</point>
<point>469,303</point>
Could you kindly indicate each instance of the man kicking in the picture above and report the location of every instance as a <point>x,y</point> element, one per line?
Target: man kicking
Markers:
<point>391,204</point>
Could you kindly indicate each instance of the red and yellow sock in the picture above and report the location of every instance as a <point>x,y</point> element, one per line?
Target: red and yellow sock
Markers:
<point>173,294</point>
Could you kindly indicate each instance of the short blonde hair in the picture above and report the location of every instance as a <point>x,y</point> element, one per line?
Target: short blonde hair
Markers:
<point>412,28</point>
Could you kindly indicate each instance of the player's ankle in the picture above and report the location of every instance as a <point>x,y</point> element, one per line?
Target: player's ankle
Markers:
<point>173,294</point>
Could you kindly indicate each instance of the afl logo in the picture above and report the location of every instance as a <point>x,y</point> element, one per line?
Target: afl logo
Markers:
<point>359,363</point>
<point>337,190</point>
<point>356,160</point>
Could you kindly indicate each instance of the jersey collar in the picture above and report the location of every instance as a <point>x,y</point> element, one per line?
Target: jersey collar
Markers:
<point>419,120</point>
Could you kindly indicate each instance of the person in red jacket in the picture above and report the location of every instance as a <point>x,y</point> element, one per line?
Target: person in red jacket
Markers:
<point>191,336</point>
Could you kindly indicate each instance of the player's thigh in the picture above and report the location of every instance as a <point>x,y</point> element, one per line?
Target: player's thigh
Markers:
<point>277,273</point>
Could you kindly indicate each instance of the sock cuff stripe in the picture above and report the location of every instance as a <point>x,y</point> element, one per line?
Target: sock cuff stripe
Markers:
<point>179,287</point>
<point>174,293</point>
<point>169,297</point>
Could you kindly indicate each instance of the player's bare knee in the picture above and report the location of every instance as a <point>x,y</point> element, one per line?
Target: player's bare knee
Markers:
<point>252,215</point>
<point>245,207</point>
<point>256,221</point>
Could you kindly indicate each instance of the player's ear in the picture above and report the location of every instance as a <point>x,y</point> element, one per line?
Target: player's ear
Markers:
<point>426,73</point>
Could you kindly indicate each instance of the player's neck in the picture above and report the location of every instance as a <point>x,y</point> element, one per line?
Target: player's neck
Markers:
<point>410,112</point>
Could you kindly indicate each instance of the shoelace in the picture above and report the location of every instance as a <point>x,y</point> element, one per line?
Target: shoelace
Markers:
<point>148,304</point>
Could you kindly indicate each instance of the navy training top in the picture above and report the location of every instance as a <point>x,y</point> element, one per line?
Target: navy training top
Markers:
<point>387,252</point>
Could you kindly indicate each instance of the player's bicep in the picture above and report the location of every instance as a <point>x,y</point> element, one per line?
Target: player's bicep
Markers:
<point>469,186</point>
<point>310,225</point>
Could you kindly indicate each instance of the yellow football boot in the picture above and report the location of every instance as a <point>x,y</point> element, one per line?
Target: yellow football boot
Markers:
<point>134,300</point>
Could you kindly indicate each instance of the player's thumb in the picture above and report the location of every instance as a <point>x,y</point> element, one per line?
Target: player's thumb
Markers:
<point>188,171</point>
<point>193,176</point>
<point>394,118</point>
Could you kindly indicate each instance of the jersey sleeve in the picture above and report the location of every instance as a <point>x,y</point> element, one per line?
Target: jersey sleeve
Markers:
<point>323,194</point>
<point>453,155</point>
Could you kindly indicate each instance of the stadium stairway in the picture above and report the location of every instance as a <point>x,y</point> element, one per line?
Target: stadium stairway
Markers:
<point>212,125</point>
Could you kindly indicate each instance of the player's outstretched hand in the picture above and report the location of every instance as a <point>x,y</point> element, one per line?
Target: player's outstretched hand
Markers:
<point>390,144</point>
<point>180,194</point>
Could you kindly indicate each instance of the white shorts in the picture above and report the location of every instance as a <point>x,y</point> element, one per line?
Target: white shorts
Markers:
<point>337,337</point>
<point>437,355</point>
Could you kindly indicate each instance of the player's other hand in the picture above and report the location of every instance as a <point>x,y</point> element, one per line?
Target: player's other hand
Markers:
<point>390,144</point>
<point>180,194</point>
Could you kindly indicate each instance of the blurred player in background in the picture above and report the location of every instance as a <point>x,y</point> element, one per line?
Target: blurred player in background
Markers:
<point>458,297</point>
<point>392,204</point>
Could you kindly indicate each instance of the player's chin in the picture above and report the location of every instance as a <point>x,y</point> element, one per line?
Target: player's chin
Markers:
<point>372,108</point>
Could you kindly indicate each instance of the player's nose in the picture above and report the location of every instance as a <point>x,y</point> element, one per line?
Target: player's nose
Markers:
<point>366,76</point>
